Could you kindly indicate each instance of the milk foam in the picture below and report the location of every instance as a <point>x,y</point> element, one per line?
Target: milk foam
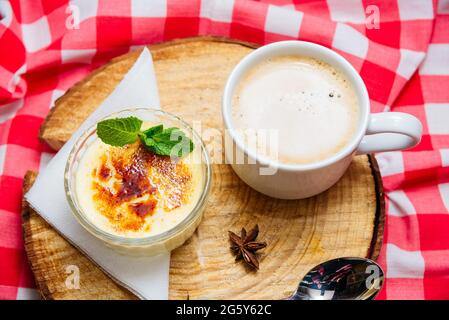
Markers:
<point>311,106</point>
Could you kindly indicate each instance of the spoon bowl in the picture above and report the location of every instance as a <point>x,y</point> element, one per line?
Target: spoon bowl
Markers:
<point>341,279</point>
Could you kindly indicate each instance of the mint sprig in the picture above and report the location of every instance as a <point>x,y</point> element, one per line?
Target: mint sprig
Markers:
<point>166,142</point>
<point>170,141</point>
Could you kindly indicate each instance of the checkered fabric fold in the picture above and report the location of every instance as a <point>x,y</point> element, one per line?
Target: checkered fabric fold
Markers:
<point>399,47</point>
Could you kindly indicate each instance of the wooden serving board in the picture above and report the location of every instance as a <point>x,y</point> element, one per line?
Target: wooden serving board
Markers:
<point>346,220</point>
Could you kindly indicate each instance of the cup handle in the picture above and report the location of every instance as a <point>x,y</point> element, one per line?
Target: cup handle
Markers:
<point>388,131</point>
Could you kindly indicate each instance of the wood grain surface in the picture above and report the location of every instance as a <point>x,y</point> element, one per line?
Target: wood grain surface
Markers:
<point>346,220</point>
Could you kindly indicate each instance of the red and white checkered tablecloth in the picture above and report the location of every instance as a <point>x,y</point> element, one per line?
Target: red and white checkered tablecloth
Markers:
<point>403,59</point>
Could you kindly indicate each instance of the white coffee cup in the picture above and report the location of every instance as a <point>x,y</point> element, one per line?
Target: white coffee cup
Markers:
<point>376,132</point>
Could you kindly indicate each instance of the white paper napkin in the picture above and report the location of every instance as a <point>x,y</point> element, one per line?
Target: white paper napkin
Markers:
<point>147,277</point>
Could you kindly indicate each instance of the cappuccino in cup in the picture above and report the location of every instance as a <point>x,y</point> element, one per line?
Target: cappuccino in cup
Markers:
<point>317,105</point>
<point>309,105</point>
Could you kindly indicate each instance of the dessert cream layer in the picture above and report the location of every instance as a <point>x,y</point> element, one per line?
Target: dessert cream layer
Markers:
<point>129,191</point>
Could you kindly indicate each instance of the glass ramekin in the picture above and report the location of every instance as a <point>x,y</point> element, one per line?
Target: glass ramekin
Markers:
<point>150,245</point>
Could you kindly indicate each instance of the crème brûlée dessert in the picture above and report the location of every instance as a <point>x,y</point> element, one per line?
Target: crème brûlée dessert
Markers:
<point>129,191</point>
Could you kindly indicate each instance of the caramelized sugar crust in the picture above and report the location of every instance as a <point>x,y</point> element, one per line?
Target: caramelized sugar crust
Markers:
<point>131,183</point>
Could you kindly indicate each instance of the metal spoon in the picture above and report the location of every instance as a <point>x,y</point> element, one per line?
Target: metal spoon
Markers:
<point>341,279</point>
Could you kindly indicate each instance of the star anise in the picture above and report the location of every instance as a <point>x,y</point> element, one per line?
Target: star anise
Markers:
<point>246,246</point>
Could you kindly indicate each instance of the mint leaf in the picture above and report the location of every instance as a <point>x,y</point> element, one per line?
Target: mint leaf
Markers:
<point>153,130</point>
<point>167,142</point>
<point>119,131</point>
